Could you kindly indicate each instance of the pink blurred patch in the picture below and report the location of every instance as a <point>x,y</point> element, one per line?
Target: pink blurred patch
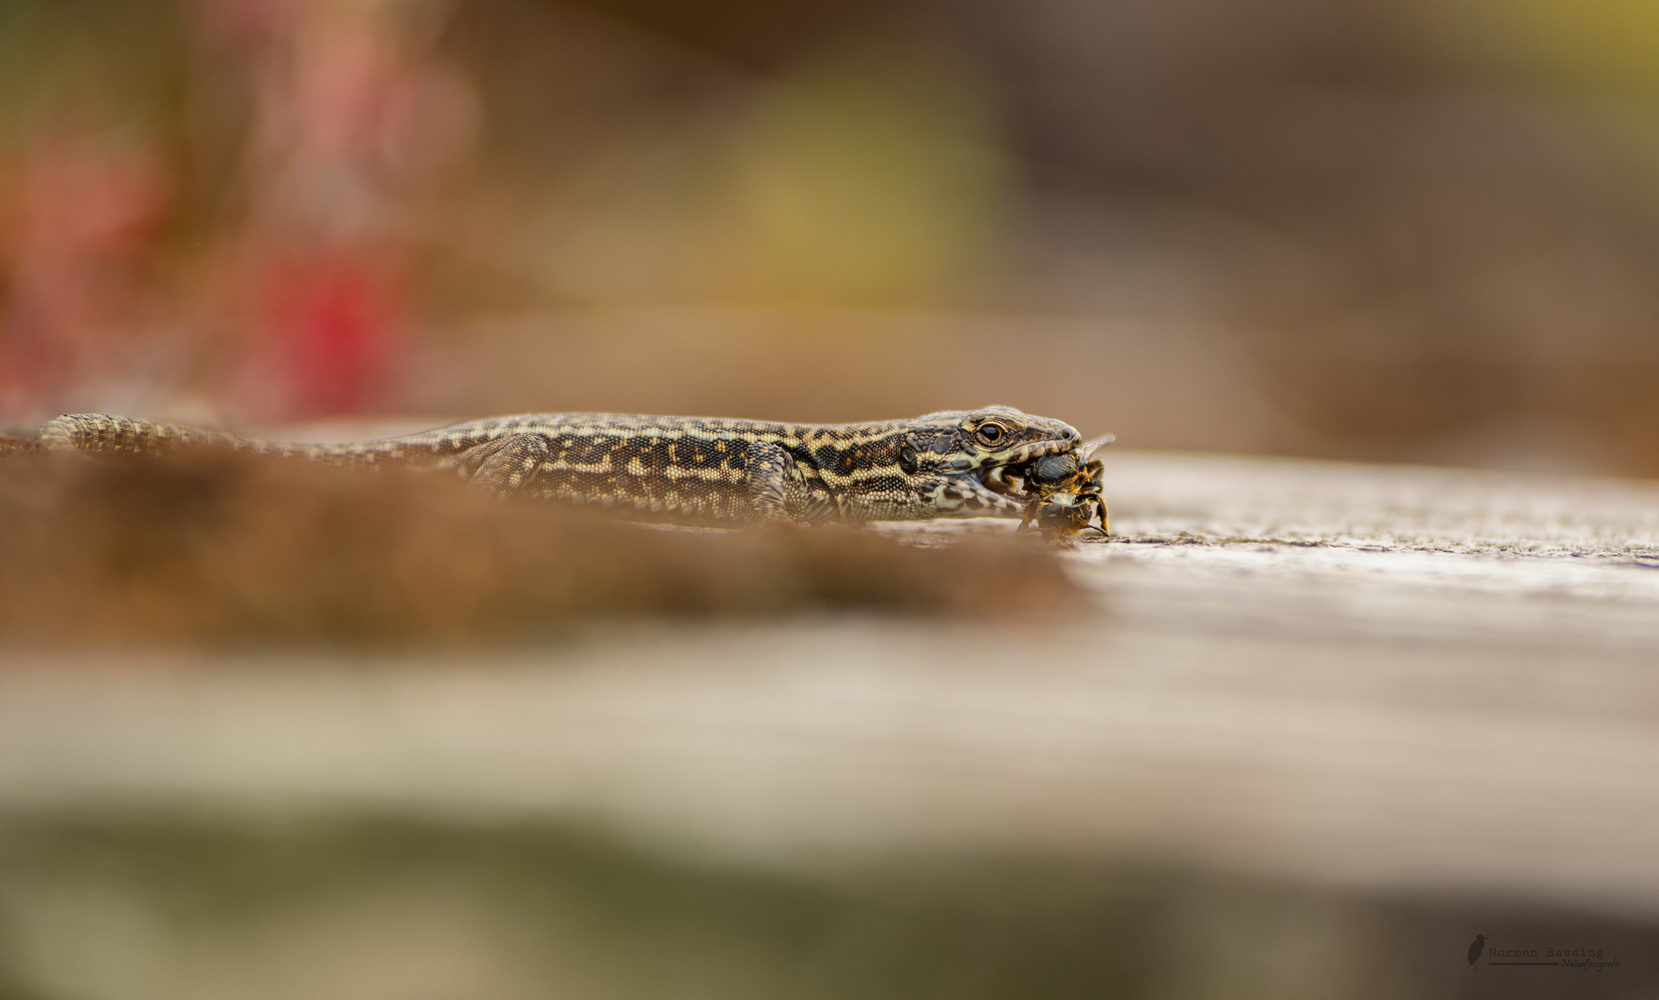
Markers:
<point>333,324</point>
<point>82,212</point>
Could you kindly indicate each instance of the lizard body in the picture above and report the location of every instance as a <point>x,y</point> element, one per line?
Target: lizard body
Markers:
<point>683,470</point>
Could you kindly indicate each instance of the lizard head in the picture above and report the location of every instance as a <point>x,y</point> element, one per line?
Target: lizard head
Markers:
<point>961,459</point>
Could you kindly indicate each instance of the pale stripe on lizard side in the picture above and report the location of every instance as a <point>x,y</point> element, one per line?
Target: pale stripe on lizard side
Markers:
<point>690,470</point>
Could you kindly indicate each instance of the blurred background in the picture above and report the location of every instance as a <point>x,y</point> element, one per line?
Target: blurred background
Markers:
<point>1384,229</point>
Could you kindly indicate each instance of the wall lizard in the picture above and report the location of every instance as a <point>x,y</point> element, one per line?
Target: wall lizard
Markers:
<point>682,470</point>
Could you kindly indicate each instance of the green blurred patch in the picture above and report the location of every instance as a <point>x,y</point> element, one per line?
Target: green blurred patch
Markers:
<point>147,906</point>
<point>871,173</point>
<point>90,64</point>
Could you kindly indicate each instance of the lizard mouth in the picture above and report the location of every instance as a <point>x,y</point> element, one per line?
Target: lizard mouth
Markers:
<point>1002,483</point>
<point>1002,488</point>
<point>1006,481</point>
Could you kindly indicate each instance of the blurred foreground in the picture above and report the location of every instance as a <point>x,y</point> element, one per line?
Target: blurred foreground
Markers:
<point>230,550</point>
<point>1317,727</point>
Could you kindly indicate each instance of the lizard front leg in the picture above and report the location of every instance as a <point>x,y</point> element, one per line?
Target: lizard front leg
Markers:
<point>504,465</point>
<point>769,468</point>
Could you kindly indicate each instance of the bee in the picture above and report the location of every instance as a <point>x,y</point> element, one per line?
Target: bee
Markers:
<point>1066,493</point>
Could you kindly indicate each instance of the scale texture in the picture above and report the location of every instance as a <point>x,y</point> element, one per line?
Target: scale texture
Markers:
<point>684,470</point>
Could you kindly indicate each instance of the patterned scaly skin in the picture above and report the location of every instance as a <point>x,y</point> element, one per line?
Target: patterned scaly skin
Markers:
<point>682,470</point>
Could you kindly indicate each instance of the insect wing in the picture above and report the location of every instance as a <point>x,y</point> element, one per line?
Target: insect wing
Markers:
<point>1089,447</point>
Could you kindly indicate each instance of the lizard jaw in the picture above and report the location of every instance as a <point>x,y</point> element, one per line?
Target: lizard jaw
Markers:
<point>999,492</point>
<point>998,485</point>
<point>1001,480</point>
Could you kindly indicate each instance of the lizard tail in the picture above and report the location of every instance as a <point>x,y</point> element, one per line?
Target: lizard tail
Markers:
<point>102,434</point>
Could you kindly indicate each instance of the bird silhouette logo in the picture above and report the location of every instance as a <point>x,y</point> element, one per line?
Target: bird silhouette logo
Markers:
<point>1476,947</point>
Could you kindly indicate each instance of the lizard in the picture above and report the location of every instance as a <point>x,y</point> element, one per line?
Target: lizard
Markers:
<point>703,471</point>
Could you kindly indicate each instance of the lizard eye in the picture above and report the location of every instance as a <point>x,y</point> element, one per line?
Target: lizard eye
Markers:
<point>991,432</point>
<point>907,460</point>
